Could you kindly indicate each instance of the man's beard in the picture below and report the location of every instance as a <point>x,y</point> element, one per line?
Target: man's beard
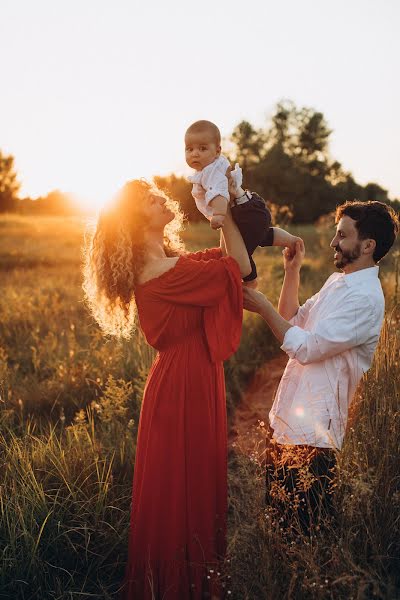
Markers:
<point>347,256</point>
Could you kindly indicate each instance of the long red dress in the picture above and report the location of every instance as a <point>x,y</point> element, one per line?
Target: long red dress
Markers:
<point>192,315</point>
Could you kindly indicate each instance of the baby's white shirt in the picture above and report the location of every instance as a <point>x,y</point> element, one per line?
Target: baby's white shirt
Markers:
<point>211,182</point>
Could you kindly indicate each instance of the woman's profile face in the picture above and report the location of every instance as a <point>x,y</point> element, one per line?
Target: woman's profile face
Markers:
<point>156,212</point>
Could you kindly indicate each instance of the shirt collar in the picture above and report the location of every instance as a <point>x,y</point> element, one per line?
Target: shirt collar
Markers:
<point>362,275</point>
<point>197,175</point>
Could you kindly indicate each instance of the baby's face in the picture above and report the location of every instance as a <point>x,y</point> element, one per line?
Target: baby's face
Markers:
<point>201,150</point>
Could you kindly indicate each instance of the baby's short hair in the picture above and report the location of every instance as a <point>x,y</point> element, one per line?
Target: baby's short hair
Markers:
<point>202,126</point>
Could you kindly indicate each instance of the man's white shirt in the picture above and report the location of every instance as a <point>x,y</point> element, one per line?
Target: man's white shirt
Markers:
<point>330,347</point>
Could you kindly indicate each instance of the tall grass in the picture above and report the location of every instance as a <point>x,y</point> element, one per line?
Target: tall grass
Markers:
<point>354,556</point>
<point>69,406</point>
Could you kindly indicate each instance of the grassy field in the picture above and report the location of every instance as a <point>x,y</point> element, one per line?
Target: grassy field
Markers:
<point>69,407</point>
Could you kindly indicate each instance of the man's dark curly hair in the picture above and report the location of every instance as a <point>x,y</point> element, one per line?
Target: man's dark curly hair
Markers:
<point>373,220</point>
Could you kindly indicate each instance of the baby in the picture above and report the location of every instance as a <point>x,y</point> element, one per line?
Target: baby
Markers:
<point>211,194</point>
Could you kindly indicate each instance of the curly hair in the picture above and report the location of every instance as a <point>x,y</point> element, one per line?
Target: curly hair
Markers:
<point>114,254</point>
<point>374,220</point>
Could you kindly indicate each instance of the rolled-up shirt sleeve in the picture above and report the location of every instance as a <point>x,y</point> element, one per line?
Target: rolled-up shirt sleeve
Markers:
<point>344,328</point>
<point>215,184</point>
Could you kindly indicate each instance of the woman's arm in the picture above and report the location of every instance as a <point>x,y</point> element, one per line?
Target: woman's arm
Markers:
<point>256,302</point>
<point>232,242</point>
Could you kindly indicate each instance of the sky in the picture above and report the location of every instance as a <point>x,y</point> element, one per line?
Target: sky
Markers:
<point>96,92</point>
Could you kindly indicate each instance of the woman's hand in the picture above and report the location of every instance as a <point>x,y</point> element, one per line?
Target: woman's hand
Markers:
<point>253,300</point>
<point>292,259</point>
<point>234,192</point>
<point>258,303</point>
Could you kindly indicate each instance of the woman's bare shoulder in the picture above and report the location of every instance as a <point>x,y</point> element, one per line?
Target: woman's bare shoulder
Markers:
<point>156,268</point>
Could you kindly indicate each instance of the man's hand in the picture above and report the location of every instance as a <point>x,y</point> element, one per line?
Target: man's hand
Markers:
<point>217,221</point>
<point>292,259</point>
<point>253,300</point>
<point>294,239</point>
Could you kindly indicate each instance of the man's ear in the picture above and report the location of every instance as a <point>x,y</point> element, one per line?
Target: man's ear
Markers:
<point>369,247</point>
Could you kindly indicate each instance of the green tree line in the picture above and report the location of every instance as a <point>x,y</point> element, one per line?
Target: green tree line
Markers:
<point>288,163</point>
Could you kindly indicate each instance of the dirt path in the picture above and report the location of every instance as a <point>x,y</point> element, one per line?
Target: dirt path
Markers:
<point>247,431</point>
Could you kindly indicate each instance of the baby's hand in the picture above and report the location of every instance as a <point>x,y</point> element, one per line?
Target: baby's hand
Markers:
<point>286,239</point>
<point>217,221</point>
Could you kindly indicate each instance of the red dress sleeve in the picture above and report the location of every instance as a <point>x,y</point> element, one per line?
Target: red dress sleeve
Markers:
<point>215,284</point>
<point>207,254</point>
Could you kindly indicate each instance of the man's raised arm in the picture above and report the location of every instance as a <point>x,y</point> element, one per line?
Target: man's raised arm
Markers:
<point>289,298</point>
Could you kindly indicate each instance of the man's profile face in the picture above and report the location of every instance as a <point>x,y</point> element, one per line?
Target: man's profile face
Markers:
<point>346,244</point>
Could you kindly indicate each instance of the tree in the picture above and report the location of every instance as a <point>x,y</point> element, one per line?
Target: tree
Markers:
<point>376,192</point>
<point>249,145</point>
<point>9,185</point>
<point>289,164</point>
<point>313,136</point>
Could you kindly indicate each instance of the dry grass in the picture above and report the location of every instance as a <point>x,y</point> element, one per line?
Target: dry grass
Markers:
<point>68,416</point>
<point>354,556</point>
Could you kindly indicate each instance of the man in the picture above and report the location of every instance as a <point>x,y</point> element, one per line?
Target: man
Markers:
<point>330,341</point>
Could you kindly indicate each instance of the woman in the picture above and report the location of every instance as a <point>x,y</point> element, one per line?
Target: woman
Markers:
<point>190,309</point>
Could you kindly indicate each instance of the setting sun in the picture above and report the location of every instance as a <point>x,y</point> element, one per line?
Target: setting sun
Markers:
<point>86,116</point>
<point>199,379</point>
